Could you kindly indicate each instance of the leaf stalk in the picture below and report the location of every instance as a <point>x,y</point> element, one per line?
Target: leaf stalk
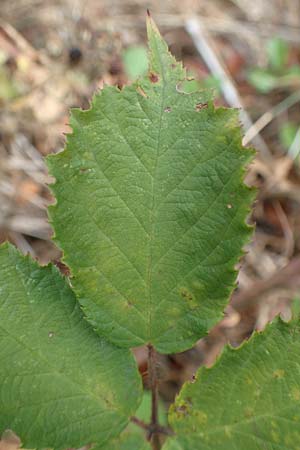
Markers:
<point>153,435</point>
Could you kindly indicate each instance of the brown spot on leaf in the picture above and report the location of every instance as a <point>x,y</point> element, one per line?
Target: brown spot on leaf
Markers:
<point>62,267</point>
<point>279,373</point>
<point>249,412</point>
<point>186,294</point>
<point>183,409</point>
<point>153,77</point>
<point>189,297</point>
<point>200,106</point>
<point>295,394</point>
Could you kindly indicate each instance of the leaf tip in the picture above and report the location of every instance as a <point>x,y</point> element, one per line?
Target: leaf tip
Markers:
<point>151,26</point>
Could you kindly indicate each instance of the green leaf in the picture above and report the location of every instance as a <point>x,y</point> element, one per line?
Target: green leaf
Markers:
<point>61,385</point>
<point>135,61</point>
<point>192,84</point>
<point>263,80</point>
<point>151,207</point>
<point>249,400</point>
<point>129,440</point>
<point>293,71</point>
<point>133,437</point>
<point>173,444</point>
<point>277,50</point>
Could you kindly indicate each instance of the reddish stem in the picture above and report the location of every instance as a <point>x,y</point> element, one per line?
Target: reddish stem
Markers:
<point>152,363</point>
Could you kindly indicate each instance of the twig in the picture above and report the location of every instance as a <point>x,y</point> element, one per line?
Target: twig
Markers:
<point>268,116</point>
<point>294,149</point>
<point>210,24</point>
<point>152,362</point>
<point>287,231</point>
<point>16,38</point>
<point>231,95</point>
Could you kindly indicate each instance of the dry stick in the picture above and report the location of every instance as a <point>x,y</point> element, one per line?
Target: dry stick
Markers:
<point>268,116</point>
<point>231,95</point>
<point>211,24</point>
<point>152,362</point>
<point>17,39</point>
<point>287,230</point>
<point>294,149</point>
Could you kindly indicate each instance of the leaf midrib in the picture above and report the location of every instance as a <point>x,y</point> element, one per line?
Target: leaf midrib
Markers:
<point>153,202</point>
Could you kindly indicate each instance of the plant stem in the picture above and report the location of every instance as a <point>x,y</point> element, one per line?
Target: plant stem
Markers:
<point>150,429</point>
<point>140,423</point>
<point>152,363</point>
<point>153,429</point>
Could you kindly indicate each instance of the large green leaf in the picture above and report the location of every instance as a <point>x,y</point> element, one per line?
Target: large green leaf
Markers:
<point>134,437</point>
<point>249,400</point>
<point>151,207</point>
<point>61,385</point>
<point>129,440</point>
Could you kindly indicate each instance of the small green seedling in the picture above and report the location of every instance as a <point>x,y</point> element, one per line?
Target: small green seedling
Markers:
<point>278,73</point>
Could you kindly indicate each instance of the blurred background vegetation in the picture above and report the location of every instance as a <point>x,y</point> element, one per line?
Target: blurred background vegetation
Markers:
<point>54,54</point>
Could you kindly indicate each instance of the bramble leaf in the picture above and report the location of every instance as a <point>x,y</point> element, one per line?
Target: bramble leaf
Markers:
<point>129,440</point>
<point>151,207</point>
<point>134,437</point>
<point>249,400</point>
<point>61,385</point>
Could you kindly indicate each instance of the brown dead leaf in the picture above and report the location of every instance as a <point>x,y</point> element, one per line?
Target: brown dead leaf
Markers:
<point>27,189</point>
<point>9,441</point>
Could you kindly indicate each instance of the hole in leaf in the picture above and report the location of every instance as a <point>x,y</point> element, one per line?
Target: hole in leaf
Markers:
<point>141,92</point>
